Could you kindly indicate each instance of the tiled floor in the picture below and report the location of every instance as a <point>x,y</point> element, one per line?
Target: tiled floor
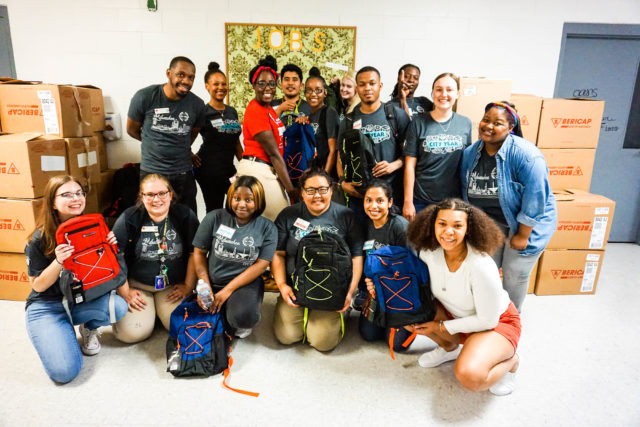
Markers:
<point>580,367</point>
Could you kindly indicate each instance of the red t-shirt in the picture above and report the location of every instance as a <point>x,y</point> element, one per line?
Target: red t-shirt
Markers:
<point>259,119</point>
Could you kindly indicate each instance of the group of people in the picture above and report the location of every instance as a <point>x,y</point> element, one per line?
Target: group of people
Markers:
<point>466,209</point>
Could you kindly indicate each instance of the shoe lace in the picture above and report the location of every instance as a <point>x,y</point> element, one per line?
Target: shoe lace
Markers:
<point>91,336</point>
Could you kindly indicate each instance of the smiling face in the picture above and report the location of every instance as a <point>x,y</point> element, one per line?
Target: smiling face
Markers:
<point>316,202</point>
<point>181,78</point>
<point>314,93</point>
<point>156,198</point>
<point>445,93</point>
<point>217,86</point>
<point>377,205</point>
<point>291,84</point>
<point>243,204</point>
<point>450,229</point>
<point>69,200</point>
<point>347,88</point>
<point>494,127</point>
<point>265,94</point>
<point>369,86</point>
<point>411,79</point>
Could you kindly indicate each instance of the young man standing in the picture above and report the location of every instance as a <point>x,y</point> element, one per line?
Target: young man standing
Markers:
<point>386,125</point>
<point>166,118</point>
<point>292,103</point>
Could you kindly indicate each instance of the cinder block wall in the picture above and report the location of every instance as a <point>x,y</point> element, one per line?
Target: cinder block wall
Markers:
<point>121,47</point>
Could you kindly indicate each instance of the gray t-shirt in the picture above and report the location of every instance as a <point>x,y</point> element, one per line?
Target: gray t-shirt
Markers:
<point>166,128</point>
<point>438,148</point>
<point>232,246</point>
<point>322,137</point>
<point>393,233</point>
<point>416,104</point>
<point>338,220</point>
<point>376,125</point>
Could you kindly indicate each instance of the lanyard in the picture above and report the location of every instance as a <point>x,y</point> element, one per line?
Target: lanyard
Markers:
<point>162,247</point>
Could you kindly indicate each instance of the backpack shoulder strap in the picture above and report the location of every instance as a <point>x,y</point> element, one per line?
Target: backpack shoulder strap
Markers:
<point>390,114</point>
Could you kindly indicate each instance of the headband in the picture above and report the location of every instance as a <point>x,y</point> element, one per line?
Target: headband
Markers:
<point>509,109</point>
<point>261,69</point>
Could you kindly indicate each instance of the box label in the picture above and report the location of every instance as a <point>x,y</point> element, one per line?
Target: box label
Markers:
<point>49,112</point>
<point>82,160</point>
<point>470,91</point>
<point>52,163</point>
<point>602,211</point>
<point>589,277</point>
<point>593,257</point>
<point>565,171</point>
<point>93,158</point>
<point>598,232</point>
<point>8,169</point>
<point>571,123</point>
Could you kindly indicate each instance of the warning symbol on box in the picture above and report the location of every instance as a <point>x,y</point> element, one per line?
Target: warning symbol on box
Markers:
<point>24,277</point>
<point>18,226</point>
<point>13,170</point>
<point>577,171</point>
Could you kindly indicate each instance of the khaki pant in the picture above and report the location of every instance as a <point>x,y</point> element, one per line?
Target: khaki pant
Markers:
<point>274,193</point>
<point>137,326</point>
<point>324,328</point>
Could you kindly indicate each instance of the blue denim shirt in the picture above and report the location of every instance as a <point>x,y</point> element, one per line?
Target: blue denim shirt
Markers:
<point>523,188</point>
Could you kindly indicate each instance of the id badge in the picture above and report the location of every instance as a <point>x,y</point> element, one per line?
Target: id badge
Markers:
<point>160,282</point>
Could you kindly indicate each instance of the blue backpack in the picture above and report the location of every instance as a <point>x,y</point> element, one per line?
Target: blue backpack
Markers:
<point>299,149</point>
<point>402,287</point>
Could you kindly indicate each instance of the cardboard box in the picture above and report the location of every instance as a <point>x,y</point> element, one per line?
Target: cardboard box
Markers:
<point>17,221</point>
<point>528,107</point>
<point>105,188</point>
<point>97,107</point>
<point>14,280</point>
<point>51,109</point>
<point>82,158</point>
<point>584,220</point>
<point>27,161</point>
<point>92,204</point>
<point>102,151</point>
<point>533,279</point>
<point>568,272</point>
<point>569,168</point>
<point>475,94</point>
<point>570,123</point>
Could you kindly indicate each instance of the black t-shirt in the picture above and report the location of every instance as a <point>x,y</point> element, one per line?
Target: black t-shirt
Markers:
<point>483,188</point>
<point>220,134</point>
<point>438,149</point>
<point>322,134</point>
<point>166,128</point>
<point>295,222</point>
<point>393,233</point>
<point>233,247</point>
<point>416,104</point>
<point>36,263</point>
<point>147,265</point>
<point>302,108</point>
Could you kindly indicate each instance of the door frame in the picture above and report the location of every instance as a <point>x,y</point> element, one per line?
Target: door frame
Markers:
<point>602,31</point>
<point>5,34</point>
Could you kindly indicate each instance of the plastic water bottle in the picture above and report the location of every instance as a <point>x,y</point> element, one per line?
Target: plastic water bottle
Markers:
<point>204,292</point>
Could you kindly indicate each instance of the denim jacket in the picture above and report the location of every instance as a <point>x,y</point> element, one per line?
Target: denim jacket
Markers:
<point>523,188</point>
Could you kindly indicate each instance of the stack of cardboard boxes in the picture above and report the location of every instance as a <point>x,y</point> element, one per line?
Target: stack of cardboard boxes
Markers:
<point>47,130</point>
<point>567,131</point>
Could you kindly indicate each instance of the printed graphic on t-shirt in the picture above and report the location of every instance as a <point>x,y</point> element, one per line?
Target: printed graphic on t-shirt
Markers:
<point>149,247</point>
<point>378,133</point>
<point>299,233</point>
<point>418,110</point>
<point>483,186</point>
<point>165,123</point>
<point>442,143</point>
<point>315,127</point>
<point>232,250</point>
<point>227,126</point>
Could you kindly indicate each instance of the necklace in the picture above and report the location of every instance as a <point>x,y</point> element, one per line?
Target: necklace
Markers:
<point>453,266</point>
<point>448,122</point>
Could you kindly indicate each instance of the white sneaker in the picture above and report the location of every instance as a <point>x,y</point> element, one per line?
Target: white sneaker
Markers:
<point>243,333</point>
<point>505,385</point>
<point>90,342</point>
<point>437,357</point>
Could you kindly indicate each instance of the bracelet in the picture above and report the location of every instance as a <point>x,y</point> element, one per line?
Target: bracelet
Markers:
<point>58,261</point>
<point>440,324</point>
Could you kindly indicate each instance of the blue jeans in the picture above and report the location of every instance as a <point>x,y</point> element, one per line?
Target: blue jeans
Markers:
<point>516,271</point>
<point>420,205</point>
<point>53,335</point>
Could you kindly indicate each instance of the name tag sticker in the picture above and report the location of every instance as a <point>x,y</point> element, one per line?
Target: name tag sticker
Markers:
<point>217,123</point>
<point>281,130</point>
<point>357,124</point>
<point>301,224</point>
<point>225,231</point>
<point>161,110</point>
<point>368,245</point>
<point>150,229</point>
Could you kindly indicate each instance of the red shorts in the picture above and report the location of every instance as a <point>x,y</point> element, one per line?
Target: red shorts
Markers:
<point>508,326</point>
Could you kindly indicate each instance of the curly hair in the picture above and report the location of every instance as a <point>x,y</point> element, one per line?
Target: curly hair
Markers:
<point>482,232</point>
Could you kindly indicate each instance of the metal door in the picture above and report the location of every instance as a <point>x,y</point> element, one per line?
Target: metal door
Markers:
<point>601,61</point>
<point>7,67</point>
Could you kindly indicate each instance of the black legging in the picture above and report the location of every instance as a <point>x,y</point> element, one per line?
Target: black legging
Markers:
<point>242,308</point>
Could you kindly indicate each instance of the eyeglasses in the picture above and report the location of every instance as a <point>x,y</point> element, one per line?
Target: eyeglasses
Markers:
<point>317,91</point>
<point>262,84</point>
<point>310,191</point>
<point>150,196</point>
<point>69,195</point>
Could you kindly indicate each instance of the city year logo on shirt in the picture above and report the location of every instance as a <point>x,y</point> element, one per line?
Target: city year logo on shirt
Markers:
<point>164,122</point>
<point>442,143</point>
<point>378,133</point>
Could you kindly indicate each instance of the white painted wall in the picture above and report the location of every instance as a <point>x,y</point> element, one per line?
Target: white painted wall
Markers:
<point>120,46</point>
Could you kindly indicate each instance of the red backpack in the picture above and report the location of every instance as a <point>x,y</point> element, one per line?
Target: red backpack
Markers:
<point>93,270</point>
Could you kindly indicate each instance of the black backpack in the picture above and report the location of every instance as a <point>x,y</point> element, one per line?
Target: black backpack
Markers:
<point>126,183</point>
<point>323,271</point>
